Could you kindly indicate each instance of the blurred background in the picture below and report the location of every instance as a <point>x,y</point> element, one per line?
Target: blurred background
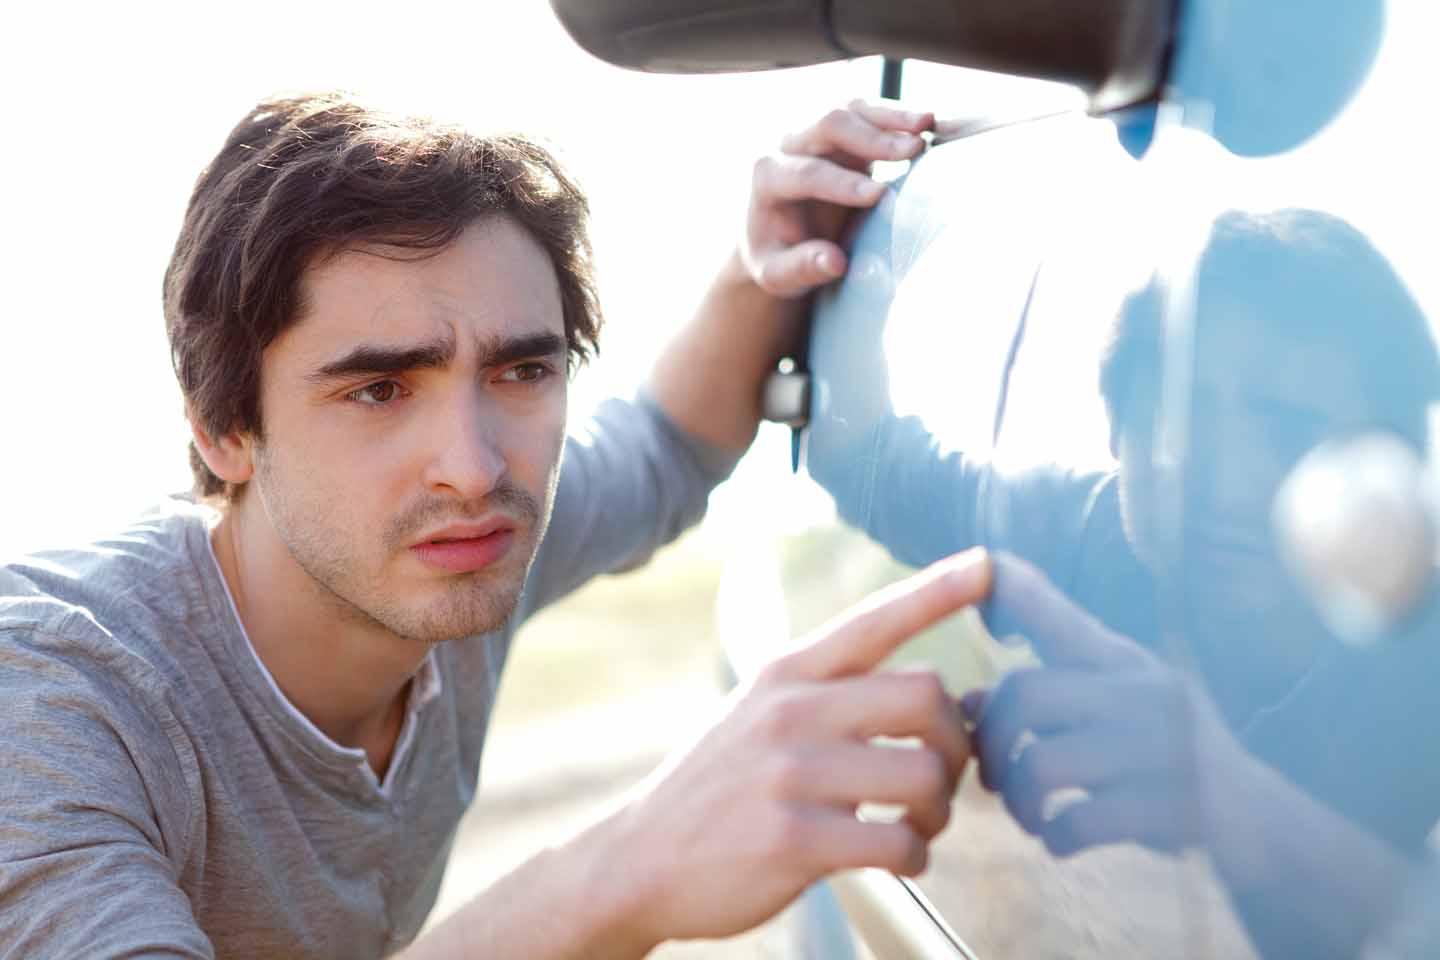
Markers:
<point>113,110</point>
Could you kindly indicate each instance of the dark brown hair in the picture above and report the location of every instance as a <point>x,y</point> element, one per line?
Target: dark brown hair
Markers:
<point>305,177</point>
<point>1308,275</point>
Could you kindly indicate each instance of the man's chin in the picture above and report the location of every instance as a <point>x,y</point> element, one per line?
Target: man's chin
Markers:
<point>464,610</point>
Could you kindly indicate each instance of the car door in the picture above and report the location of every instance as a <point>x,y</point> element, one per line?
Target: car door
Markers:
<point>1190,392</point>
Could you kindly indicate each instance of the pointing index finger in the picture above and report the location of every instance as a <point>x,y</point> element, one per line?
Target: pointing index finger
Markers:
<point>1062,633</point>
<point>859,639</point>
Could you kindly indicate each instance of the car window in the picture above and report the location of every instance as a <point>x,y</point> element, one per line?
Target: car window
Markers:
<point>1188,397</point>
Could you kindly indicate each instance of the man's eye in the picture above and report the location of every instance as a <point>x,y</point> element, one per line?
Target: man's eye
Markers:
<point>526,373</point>
<point>375,394</point>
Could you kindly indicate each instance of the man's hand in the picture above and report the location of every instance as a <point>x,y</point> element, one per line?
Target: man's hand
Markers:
<point>709,379</point>
<point>764,804</point>
<point>802,198</point>
<point>1155,760</point>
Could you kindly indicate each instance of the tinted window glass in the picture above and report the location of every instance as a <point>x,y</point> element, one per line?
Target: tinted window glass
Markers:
<point>1190,397</point>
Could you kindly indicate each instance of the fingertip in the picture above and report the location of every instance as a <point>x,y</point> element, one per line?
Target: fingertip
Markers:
<point>828,263</point>
<point>969,571</point>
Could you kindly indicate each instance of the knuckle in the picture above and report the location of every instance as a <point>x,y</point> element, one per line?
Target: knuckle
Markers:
<point>774,673</point>
<point>788,774</point>
<point>837,118</point>
<point>790,837</point>
<point>811,168</point>
<point>783,714</point>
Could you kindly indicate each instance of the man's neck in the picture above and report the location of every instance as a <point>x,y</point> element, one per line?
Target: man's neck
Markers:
<point>346,673</point>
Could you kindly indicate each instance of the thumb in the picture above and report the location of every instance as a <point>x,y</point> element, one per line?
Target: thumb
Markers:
<point>795,271</point>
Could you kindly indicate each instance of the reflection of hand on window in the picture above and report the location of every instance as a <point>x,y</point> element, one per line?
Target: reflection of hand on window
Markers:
<point>1108,744</point>
<point>1103,716</point>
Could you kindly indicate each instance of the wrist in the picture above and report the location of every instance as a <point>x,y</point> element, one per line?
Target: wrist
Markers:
<point>611,896</point>
<point>769,316</point>
<point>1235,812</point>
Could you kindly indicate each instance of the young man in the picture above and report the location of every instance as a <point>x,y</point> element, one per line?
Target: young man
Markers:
<point>249,726</point>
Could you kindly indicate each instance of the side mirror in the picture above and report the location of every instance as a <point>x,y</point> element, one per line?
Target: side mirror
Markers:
<point>1114,50</point>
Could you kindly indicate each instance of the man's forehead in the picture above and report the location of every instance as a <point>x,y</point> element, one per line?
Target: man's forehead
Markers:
<point>489,284</point>
<point>1291,363</point>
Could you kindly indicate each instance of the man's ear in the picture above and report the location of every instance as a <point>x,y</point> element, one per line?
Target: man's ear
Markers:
<point>230,456</point>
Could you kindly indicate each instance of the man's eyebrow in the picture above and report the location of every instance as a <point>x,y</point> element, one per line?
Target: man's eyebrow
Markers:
<point>498,351</point>
<point>368,359</point>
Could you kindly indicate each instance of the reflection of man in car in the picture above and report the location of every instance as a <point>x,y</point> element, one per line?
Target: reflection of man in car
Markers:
<point>1302,332</point>
<point>249,727</point>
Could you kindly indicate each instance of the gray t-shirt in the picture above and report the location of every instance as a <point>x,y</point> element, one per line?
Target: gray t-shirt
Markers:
<point>160,797</point>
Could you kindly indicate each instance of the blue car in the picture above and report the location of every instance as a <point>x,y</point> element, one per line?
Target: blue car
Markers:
<point>1162,339</point>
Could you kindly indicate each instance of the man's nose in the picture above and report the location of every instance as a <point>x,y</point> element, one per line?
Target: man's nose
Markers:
<point>1234,472</point>
<point>465,458</point>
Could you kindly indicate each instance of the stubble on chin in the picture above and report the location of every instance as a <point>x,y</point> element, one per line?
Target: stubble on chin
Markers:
<point>478,602</point>
<point>325,547</point>
<point>475,603</point>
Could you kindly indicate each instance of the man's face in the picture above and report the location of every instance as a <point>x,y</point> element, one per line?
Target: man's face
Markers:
<point>1261,398</point>
<point>413,424</point>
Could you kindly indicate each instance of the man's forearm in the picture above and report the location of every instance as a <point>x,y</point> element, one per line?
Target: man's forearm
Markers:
<point>1306,881</point>
<point>710,378</point>
<point>570,901</point>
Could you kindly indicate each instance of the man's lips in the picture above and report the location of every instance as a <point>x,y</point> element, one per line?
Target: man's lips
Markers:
<point>464,548</point>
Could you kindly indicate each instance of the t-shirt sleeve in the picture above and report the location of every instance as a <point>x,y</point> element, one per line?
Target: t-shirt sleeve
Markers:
<point>92,811</point>
<point>923,502</point>
<point>630,482</point>
<point>896,485</point>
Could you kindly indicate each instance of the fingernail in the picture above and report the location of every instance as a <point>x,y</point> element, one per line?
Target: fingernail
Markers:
<point>868,189</point>
<point>824,263</point>
<point>904,141</point>
<point>972,564</point>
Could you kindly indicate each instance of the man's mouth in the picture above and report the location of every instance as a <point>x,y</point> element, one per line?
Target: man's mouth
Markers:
<point>466,548</point>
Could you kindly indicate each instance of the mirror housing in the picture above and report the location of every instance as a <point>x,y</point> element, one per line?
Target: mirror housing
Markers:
<point>1114,50</point>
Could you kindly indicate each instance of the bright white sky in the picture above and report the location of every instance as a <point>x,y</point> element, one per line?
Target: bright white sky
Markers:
<point>114,108</point>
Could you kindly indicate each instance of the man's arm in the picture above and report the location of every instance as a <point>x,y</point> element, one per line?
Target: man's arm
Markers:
<point>710,377</point>
<point>633,482</point>
<point>93,809</point>
<point>735,827</point>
